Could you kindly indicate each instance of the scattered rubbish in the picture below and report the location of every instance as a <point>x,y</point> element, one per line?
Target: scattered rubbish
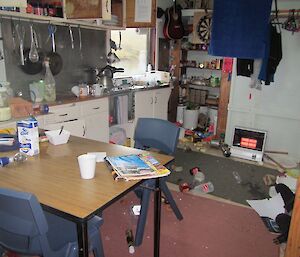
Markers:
<point>164,200</point>
<point>199,176</point>
<point>215,143</point>
<point>226,150</point>
<point>177,168</point>
<point>136,210</point>
<point>272,191</point>
<point>237,177</point>
<point>205,187</point>
<point>184,187</point>
<point>194,171</point>
<point>187,149</point>
<point>295,173</point>
<point>130,241</point>
<point>269,179</point>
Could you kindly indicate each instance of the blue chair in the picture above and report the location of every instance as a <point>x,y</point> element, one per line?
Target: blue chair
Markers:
<point>163,136</point>
<point>26,229</point>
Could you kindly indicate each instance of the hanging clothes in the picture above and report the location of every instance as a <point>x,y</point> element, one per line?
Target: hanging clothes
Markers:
<point>272,60</point>
<point>239,28</point>
<point>244,67</point>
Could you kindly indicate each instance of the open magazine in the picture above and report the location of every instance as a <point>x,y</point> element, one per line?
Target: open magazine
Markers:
<point>136,166</point>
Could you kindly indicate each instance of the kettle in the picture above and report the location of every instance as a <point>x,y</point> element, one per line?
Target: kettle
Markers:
<point>105,76</point>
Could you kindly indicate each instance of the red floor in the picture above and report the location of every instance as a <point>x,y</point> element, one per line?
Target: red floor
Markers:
<point>210,229</point>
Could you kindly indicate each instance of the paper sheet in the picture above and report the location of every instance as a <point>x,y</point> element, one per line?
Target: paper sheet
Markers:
<point>289,181</point>
<point>142,10</point>
<point>268,207</point>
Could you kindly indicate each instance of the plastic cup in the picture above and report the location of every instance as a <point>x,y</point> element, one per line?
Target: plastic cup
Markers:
<point>87,165</point>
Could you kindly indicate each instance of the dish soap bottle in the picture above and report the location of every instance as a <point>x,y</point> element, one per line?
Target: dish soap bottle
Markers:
<point>50,90</point>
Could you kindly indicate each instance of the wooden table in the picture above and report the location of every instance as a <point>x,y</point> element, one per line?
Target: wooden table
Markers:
<point>54,177</point>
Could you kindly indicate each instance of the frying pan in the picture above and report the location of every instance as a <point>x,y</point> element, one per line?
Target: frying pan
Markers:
<point>55,62</point>
<point>29,67</point>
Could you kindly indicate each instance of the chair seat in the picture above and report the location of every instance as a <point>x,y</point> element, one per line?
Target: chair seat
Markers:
<point>26,229</point>
<point>163,136</point>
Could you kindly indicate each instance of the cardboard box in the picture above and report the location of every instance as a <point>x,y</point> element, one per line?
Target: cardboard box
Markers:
<point>28,135</point>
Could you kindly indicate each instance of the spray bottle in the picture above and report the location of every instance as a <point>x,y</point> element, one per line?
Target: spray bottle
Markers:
<point>18,157</point>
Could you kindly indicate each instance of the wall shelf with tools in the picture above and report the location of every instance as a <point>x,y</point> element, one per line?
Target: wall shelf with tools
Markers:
<point>201,76</point>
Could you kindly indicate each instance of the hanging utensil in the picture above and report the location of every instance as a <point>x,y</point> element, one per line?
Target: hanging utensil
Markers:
<point>71,37</point>
<point>13,35</point>
<point>21,35</point>
<point>30,67</point>
<point>55,60</point>
<point>33,53</point>
<point>51,32</point>
<point>80,43</point>
<point>120,39</point>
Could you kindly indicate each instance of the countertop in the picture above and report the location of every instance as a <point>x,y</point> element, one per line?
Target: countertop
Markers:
<point>70,98</point>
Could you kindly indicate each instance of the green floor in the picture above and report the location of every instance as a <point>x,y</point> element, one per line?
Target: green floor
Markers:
<point>219,171</point>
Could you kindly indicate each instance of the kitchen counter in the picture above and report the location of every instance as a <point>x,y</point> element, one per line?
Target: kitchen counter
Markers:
<point>66,99</point>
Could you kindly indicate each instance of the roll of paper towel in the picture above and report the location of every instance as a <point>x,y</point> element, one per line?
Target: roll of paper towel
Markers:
<point>179,117</point>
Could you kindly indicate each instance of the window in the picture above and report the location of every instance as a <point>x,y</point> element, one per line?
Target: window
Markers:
<point>134,52</point>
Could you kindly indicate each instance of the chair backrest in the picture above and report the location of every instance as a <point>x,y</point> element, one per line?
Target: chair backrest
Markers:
<point>23,225</point>
<point>156,133</point>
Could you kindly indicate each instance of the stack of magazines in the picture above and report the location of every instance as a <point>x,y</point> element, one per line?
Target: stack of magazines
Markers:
<point>136,166</point>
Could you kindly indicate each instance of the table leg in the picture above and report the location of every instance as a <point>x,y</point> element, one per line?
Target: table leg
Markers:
<point>82,235</point>
<point>157,213</point>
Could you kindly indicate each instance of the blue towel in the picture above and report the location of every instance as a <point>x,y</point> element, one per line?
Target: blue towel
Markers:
<point>239,28</point>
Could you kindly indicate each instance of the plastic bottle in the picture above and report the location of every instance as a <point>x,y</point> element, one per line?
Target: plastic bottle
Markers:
<point>18,157</point>
<point>130,241</point>
<point>237,177</point>
<point>50,90</point>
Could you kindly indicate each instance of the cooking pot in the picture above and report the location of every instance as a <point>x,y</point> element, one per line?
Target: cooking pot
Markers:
<point>55,62</point>
<point>30,67</point>
<point>105,76</point>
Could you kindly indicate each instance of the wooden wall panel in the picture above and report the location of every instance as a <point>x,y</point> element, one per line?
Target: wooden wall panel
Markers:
<point>223,104</point>
<point>293,243</point>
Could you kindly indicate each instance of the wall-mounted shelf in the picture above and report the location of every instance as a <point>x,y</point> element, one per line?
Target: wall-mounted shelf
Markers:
<point>96,24</point>
<point>201,68</point>
<point>190,12</point>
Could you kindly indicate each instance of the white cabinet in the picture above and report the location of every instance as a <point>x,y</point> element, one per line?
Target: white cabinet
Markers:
<point>152,103</point>
<point>95,114</point>
<point>75,127</point>
<point>88,119</point>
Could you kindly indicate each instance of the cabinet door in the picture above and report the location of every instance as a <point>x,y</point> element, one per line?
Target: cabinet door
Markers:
<point>144,104</point>
<point>161,99</point>
<point>97,127</point>
<point>106,9</point>
<point>130,15</point>
<point>78,9</point>
<point>75,127</point>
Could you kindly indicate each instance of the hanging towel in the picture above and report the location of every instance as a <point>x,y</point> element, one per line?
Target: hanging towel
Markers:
<point>239,28</point>
<point>255,81</point>
<point>273,56</point>
<point>122,109</point>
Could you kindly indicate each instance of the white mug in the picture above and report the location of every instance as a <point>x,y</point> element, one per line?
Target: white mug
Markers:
<point>97,90</point>
<point>75,90</point>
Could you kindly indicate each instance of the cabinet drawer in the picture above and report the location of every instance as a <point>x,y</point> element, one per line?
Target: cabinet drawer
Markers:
<point>94,106</point>
<point>64,112</point>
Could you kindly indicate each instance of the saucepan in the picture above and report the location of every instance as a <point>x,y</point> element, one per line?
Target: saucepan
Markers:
<point>30,67</point>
